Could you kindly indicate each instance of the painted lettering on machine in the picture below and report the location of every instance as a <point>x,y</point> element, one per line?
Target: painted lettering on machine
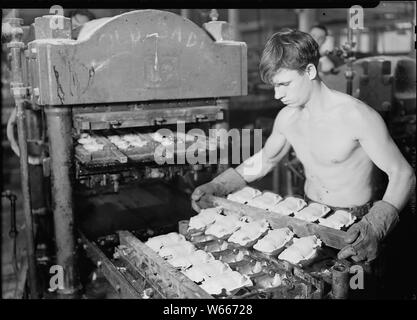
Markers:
<point>160,64</point>
<point>114,39</point>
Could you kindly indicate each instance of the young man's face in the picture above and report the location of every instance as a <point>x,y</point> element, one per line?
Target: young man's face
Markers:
<point>292,87</point>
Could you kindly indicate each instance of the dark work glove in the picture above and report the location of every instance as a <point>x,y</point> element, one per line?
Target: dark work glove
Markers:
<point>364,237</point>
<point>225,183</point>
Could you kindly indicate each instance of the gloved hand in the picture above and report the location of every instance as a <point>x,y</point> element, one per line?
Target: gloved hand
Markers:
<point>366,235</point>
<point>225,183</point>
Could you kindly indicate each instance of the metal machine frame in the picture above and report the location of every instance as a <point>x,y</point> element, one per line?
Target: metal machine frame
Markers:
<point>139,69</point>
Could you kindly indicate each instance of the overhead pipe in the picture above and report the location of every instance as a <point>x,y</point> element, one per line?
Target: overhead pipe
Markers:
<point>233,17</point>
<point>186,13</point>
<point>306,19</point>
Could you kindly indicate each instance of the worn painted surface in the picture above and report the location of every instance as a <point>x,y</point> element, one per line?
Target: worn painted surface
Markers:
<point>140,118</point>
<point>139,56</point>
<point>61,153</point>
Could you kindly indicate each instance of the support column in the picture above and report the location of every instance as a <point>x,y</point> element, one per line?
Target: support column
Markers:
<point>233,17</point>
<point>186,13</point>
<point>25,184</point>
<point>306,19</point>
<point>61,154</point>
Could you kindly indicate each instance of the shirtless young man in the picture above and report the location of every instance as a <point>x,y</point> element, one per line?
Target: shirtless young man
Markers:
<point>337,138</point>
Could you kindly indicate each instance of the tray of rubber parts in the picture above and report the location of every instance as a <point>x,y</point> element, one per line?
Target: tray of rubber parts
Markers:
<point>274,242</point>
<point>231,255</point>
<point>277,285</point>
<point>288,206</point>
<point>249,266</point>
<point>158,242</point>
<point>313,212</point>
<point>198,238</point>
<point>176,250</point>
<point>90,143</point>
<point>206,217</point>
<point>218,279</point>
<point>188,259</point>
<point>184,141</point>
<point>227,284</point>
<point>225,226</point>
<point>199,143</point>
<point>164,145</point>
<point>203,271</point>
<point>302,251</point>
<point>340,219</point>
<point>136,146</point>
<point>244,195</point>
<point>96,148</point>
<point>176,143</point>
<point>213,246</point>
<point>268,280</point>
<point>265,201</point>
<point>249,233</point>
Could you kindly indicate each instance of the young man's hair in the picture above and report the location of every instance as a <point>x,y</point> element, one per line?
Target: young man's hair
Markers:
<point>321,27</point>
<point>290,49</point>
<point>82,12</point>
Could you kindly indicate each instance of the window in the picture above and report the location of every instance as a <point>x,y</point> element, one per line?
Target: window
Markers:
<point>396,41</point>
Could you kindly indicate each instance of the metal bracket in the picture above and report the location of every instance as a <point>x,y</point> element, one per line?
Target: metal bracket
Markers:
<point>46,166</point>
<point>115,124</point>
<point>200,117</point>
<point>18,91</point>
<point>159,121</point>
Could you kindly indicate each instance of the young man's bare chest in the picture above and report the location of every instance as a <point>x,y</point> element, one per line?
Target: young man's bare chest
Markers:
<point>322,140</point>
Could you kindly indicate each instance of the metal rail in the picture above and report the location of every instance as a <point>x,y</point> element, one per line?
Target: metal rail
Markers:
<point>117,280</point>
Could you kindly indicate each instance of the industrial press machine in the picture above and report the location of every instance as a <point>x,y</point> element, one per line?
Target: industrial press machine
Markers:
<point>136,73</point>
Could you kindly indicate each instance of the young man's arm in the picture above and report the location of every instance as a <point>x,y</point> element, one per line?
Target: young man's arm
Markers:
<point>365,236</point>
<point>275,148</point>
<point>375,139</point>
<point>251,169</point>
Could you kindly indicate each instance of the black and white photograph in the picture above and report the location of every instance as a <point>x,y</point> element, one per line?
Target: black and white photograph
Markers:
<point>220,155</point>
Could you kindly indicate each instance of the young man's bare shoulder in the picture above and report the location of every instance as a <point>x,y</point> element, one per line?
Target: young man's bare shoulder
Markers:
<point>287,113</point>
<point>356,115</point>
<point>285,117</point>
<point>349,107</point>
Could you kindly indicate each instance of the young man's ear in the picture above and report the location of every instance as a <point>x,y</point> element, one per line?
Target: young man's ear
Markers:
<point>311,71</point>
